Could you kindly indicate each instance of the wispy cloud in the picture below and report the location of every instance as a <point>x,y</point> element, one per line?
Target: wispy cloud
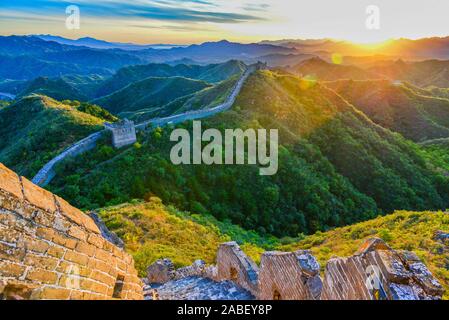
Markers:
<point>177,28</point>
<point>258,7</point>
<point>163,10</point>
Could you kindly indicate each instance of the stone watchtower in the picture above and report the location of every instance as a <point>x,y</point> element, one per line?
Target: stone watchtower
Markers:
<point>123,133</point>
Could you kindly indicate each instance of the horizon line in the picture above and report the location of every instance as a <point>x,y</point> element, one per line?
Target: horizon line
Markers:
<point>219,39</point>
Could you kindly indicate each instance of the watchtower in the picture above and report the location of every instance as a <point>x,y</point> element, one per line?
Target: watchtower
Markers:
<point>123,133</point>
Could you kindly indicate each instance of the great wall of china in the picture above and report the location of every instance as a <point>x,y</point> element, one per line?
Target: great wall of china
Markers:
<point>47,173</point>
<point>375,272</point>
<point>51,250</point>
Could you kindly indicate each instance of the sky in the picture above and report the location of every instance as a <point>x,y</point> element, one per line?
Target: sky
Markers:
<point>196,21</point>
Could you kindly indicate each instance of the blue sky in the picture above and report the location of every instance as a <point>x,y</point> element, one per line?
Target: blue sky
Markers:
<point>193,21</point>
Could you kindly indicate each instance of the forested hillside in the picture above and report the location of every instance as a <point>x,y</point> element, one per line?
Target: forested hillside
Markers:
<point>210,73</point>
<point>336,166</point>
<point>415,113</point>
<point>36,128</point>
<point>150,94</point>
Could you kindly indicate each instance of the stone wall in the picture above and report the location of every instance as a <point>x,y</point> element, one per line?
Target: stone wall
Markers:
<point>51,250</point>
<point>233,264</point>
<point>377,272</point>
<point>123,133</point>
<point>289,276</point>
<point>47,173</point>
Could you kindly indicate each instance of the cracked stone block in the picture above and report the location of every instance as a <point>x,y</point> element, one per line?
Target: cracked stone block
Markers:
<point>307,262</point>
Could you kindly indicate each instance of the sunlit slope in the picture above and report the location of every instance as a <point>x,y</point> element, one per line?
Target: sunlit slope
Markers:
<point>322,70</point>
<point>413,112</point>
<point>153,231</point>
<point>422,73</point>
<point>380,164</point>
<point>212,73</point>
<point>151,93</point>
<point>36,128</point>
<point>56,88</point>
<point>209,97</point>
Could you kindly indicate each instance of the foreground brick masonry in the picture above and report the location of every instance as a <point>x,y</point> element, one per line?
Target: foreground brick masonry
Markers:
<point>51,250</point>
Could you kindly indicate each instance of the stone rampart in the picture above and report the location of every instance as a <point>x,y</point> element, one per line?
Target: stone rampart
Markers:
<point>289,276</point>
<point>233,264</point>
<point>47,173</point>
<point>375,272</point>
<point>51,250</point>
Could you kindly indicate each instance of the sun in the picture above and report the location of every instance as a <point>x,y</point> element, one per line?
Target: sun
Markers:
<point>373,45</point>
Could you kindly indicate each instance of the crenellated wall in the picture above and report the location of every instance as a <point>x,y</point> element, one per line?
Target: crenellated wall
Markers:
<point>375,272</point>
<point>233,264</point>
<point>289,276</point>
<point>51,250</point>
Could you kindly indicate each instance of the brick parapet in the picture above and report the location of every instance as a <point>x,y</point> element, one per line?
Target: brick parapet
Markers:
<point>51,250</point>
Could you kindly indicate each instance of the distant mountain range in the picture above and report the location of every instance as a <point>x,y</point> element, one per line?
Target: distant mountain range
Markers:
<point>29,57</point>
<point>420,73</point>
<point>426,48</point>
<point>101,44</point>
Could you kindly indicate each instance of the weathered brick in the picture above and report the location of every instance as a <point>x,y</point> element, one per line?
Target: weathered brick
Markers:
<point>7,218</point>
<point>64,241</point>
<point>43,218</point>
<point>100,265</point>
<point>39,197</point>
<point>11,253</point>
<point>10,182</point>
<point>43,262</point>
<point>94,296</point>
<point>61,224</point>
<point>99,288</point>
<point>102,277</point>
<point>9,201</point>
<point>78,233</point>
<point>121,265</point>
<point>11,269</point>
<point>76,257</point>
<point>103,255</point>
<point>110,292</point>
<point>85,248</point>
<point>116,251</point>
<point>135,296</point>
<point>10,236</point>
<point>77,215</point>
<point>45,233</point>
<point>28,211</point>
<point>127,258</point>
<point>77,295</point>
<point>33,244</point>
<point>73,269</point>
<point>107,246</point>
<point>70,282</point>
<point>42,275</point>
<point>57,252</point>
<point>54,293</point>
<point>96,240</point>
<point>87,284</point>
